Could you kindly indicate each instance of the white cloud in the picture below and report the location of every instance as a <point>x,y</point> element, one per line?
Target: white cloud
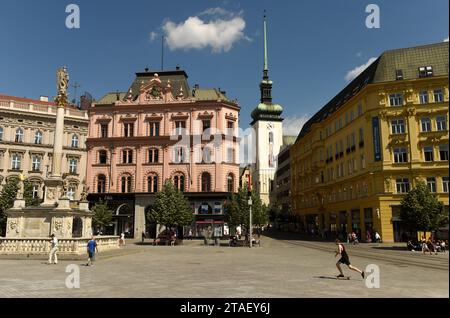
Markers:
<point>153,36</point>
<point>293,125</point>
<point>446,39</point>
<point>220,33</point>
<point>359,54</point>
<point>359,69</point>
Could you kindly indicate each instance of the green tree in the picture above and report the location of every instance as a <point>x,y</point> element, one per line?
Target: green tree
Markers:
<point>239,209</point>
<point>171,208</point>
<point>8,195</point>
<point>102,215</point>
<point>421,210</point>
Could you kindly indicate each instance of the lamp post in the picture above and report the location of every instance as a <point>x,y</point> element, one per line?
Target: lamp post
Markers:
<point>250,223</point>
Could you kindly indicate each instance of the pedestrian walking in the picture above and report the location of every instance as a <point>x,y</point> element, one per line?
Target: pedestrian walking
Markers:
<point>91,250</point>
<point>377,237</point>
<point>122,239</point>
<point>344,260</point>
<point>143,236</point>
<point>190,234</point>
<point>53,255</point>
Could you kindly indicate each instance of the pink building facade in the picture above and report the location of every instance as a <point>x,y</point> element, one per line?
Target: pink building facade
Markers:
<point>158,130</point>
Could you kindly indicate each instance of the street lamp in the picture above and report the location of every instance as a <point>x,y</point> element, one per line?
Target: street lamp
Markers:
<point>250,223</point>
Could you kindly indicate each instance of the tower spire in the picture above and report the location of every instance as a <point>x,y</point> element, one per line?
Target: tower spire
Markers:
<point>266,62</point>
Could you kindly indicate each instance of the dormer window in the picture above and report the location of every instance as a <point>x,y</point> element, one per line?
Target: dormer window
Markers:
<point>425,71</point>
<point>399,75</point>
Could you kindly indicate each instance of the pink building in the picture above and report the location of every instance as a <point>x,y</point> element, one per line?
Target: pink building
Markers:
<point>161,129</point>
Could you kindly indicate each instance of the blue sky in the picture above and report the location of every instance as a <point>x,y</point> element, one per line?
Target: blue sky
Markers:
<point>312,45</point>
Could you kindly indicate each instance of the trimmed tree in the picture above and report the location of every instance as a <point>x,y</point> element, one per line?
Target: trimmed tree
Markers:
<point>421,210</point>
<point>171,208</point>
<point>102,215</point>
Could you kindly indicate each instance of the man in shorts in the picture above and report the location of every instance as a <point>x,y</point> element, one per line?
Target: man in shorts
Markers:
<point>344,260</point>
<point>91,249</point>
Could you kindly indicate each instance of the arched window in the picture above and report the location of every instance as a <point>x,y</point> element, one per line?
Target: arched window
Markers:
<point>126,184</point>
<point>19,135</point>
<point>101,183</point>
<point>178,181</point>
<point>152,183</point>
<point>102,157</point>
<point>206,182</point>
<point>38,138</point>
<point>230,183</point>
<point>74,143</point>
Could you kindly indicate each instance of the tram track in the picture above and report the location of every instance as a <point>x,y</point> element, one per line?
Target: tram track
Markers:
<point>431,263</point>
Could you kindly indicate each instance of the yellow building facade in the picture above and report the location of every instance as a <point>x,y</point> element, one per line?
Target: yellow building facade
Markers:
<point>355,159</point>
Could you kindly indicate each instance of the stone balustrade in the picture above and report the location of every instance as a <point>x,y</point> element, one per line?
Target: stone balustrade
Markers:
<point>73,246</point>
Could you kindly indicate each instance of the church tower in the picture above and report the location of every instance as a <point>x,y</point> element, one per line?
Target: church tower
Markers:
<point>267,127</point>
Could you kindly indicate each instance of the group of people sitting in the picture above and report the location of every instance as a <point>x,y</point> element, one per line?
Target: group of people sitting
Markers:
<point>431,245</point>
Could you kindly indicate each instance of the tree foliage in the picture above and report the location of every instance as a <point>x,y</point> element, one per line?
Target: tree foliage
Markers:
<point>239,209</point>
<point>171,207</point>
<point>102,215</point>
<point>421,210</point>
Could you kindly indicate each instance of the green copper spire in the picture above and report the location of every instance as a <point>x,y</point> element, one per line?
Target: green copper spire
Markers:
<point>266,66</point>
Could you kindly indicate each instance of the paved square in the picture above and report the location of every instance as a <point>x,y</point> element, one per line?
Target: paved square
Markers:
<point>280,268</point>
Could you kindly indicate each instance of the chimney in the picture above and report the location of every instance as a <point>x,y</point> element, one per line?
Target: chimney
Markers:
<point>43,98</point>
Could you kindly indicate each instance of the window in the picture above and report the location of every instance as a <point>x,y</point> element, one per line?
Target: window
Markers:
<point>363,162</point>
<point>230,155</point>
<point>152,183</point>
<point>445,184</point>
<point>443,152</point>
<point>101,183</point>
<point>179,155</point>
<point>396,99</point>
<point>400,155</point>
<point>402,185</point>
<point>425,71</point>
<point>36,163</point>
<point>425,124</point>
<point>353,138</point>
<point>153,129</point>
<point>74,141</point>
<point>38,138</point>
<point>441,123</point>
<point>206,158</point>
<point>398,75</point>
<point>230,183</point>
<point>206,125</point>
<point>1,133</point>
<point>361,136</point>
<point>127,156</point>
<point>206,182</point>
<point>35,190</point>
<point>128,129</point>
<point>178,181</point>
<point>431,183</point>
<point>73,166</point>
<point>360,109</point>
<point>230,125</point>
<point>428,153</point>
<point>126,184</point>
<point>15,161</point>
<point>423,97</point>
<point>352,115</point>
<point>180,127</point>
<point>153,156</point>
<point>102,157</point>
<point>104,130</point>
<point>71,191</point>
<point>438,96</point>
<point>19,135</point>
<point>270,137</point>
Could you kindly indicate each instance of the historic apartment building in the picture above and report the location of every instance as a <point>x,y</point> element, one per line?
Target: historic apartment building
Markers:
<point>161,129</point>
<point>356,158</point>
<point>26,142</point>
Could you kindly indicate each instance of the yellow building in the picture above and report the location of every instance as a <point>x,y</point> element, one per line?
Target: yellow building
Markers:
<point>354,159</point>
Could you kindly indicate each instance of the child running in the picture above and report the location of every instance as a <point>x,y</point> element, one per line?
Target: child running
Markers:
<point>344,260</point>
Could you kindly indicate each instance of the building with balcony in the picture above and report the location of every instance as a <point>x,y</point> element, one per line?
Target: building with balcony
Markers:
<point>354,160</point>
<point>161,129</point>
<point>26,142</point>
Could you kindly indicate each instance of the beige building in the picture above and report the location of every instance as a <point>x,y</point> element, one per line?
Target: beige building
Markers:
<point>26,142</point>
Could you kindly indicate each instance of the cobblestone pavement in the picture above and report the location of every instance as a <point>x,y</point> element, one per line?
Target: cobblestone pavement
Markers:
<point>279,268</point>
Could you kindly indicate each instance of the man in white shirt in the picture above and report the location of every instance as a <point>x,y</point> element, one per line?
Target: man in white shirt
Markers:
<point>53,250</point>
